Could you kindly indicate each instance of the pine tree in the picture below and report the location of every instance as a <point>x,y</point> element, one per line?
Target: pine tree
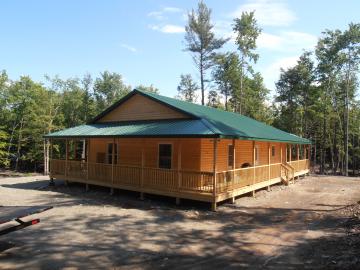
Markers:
<point>187,88</point>
<point>247,31</point>
<point>201,42</point>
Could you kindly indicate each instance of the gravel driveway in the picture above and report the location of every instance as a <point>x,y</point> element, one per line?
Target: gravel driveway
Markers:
<point>92,230</point>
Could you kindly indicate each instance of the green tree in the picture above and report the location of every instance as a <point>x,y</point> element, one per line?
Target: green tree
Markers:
<point>28,104</point>
<point>338,60</point>
<point>226,75</point>
<point>201,42</point>
<point>256,94</point>
<point>151,88</point>
<point>4,161</point>
<point>247,32</point>
<point>295,95</point>
<point>350,55</point>
<point>214,100</point>
<point>109,88</point>
<point>187,88</point>
<point>88,110</point>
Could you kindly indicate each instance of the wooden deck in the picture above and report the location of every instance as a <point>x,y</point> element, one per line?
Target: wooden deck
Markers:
<point>195,185</point>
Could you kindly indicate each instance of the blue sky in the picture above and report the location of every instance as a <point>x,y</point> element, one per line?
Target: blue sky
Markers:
<point>144,40</point>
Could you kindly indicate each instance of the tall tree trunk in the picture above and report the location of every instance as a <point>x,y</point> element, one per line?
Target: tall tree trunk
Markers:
<point>335,150</point>
<point>226,102</point>
<point>11,139</point>
<point>202,80</point>
<point>346,143</point>
<point>315,153</point>
<point>353,154</point>
<point>322,155</point>
<point>241,84</point>
<point>18,150</point>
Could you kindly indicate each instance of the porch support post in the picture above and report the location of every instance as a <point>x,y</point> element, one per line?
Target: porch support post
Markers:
<point>290,152</point>
<point>51,149</point>
<point>309,157</point>
<point>281,153</point>
<point>112,166</point>
<point>234,153</point>
<point>269,164</point>
<point>254,169</point>
<point>213,206</point>
<point>298,157</point>
<point>51,157</point>
<point>46,157</point>
<point>66,159</point>
<point>75,147</point>
<point>234,166</point>
<point>179,171</point>
<point>142,170</point>
<point>87,144</point>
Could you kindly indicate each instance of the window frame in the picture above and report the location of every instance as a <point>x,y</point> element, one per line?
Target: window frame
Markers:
<point>109,154</point>
<point>171,155</point>
<point>273,150</point>
<point>232,147</point>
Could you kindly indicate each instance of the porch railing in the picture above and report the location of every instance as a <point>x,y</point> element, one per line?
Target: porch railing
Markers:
<point>134,176</point>
<point>172,180</point>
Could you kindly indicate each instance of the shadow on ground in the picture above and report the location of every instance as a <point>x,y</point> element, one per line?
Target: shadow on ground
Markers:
<point>166,236</point>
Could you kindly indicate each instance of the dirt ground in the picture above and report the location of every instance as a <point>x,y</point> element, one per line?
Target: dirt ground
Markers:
<point>308,225</point>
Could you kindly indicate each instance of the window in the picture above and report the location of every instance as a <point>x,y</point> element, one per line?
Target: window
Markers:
<point>80,149</point>
<point>273,151</point>
<point>231,155</point>
<point>110,152</point>
<point>165,156</point>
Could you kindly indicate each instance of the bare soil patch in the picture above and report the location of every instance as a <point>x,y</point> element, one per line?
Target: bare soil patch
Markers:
<point>312,224</point>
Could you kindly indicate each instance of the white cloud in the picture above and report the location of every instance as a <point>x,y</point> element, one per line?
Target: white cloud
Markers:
<point>268,12</point>
<point>284,63</point>
<point>172,9</point>
<point>224,29</point>
<point>271,73</point>
<point>161,14</point>
<point>129,48</point>
<point>168,28</point>
<point>157,15</point>
<point>287,41</point>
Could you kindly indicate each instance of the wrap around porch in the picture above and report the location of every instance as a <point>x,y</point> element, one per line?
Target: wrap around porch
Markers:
<point>222,173</point>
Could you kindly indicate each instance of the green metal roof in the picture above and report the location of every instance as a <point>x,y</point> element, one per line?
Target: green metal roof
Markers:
<point>206,121</point>
<point>229,124</point>
<point>168,128</point>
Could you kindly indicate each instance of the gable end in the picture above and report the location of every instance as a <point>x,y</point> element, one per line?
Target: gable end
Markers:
<point>137,107</point>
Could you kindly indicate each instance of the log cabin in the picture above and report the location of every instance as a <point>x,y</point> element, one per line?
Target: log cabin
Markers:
<point>159,145</point>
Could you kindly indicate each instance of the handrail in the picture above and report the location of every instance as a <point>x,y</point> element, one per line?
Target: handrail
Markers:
<point>187,171</point>
<point>289,165</point>
<point>248,168</point>
<point>135,166</point>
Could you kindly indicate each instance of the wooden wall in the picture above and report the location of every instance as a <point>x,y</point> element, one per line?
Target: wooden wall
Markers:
<point>196,154</point>
<point>141,108</point>
<point>129,151</point>
<point>243,153</point>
